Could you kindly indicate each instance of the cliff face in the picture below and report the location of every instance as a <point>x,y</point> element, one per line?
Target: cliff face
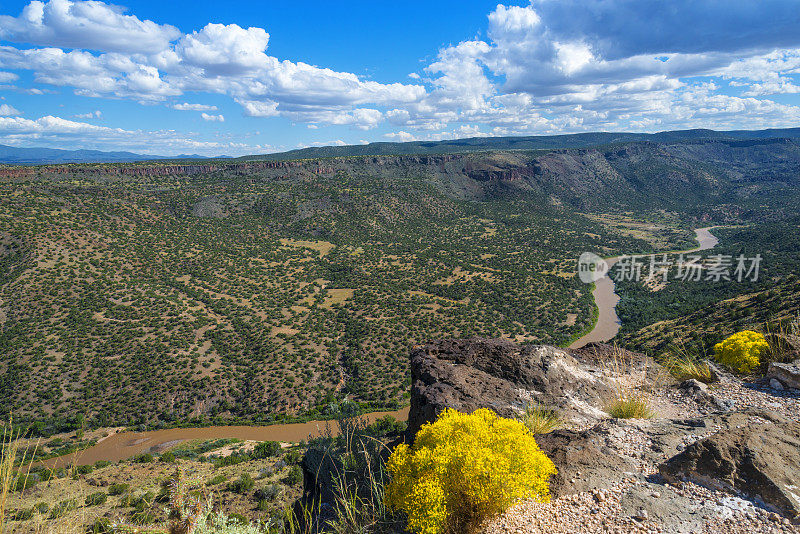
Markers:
<point>719,438</point>
<point>467,374</point>
<point>629,175</point>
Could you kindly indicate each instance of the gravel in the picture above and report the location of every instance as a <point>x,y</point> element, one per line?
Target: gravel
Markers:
<point>703,510</point>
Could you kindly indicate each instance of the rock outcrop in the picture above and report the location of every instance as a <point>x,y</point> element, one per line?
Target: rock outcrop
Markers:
<point>467,374</point>
<point>787,374</point>
<point>759,460</point>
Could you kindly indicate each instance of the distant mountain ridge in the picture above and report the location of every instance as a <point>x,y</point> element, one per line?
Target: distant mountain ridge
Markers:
<point>37,156</point>
<point>537,142</point>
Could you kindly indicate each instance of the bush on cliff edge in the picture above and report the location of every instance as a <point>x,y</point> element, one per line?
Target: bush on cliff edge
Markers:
<point>742,351</point>
<point>465,468</point>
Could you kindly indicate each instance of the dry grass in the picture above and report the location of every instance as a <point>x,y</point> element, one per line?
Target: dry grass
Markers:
<point>632,407</point>
<point>540,419</point>
<point>783,337</point>
<point>685,363</point>
<point>631,381</point>
<point>688,368</point>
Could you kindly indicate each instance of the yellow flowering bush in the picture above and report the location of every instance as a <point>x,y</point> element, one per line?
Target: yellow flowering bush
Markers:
<point>741,351</point>
<point>465,468</point>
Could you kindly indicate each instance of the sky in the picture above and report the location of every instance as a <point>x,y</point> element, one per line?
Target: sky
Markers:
<point>234,78</point>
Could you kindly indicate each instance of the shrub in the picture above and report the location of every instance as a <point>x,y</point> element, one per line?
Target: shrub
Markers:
<point>118,489</point>
<point>270,492</point>
<point>25,481</point>
<point>62,508</point>
<point>83,469</point>
<point>243,485</point>
<point>145,458</point>
<point>292,457</point>
<point>219,479</point>
<point>101,525</point>
<point>630,406</point>
<point>23,515</point>
<point>540,419</point>
<point>95,499</point>
<point>99,464</point>
<point>295,475</point>
<point>265,449</point>
<point>741,352</point>
<point>463,469</point>
<point>168,457</point>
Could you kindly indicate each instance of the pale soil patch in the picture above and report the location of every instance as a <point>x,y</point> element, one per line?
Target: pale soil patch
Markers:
<point>323,247</point>
<point>283,330</point>
<point>460,275</point>
<point>242,446</point>
<point>337,296</point>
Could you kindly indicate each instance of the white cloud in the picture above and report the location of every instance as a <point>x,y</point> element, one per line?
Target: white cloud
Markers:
<point>6,110</point>
<point>212,118</point>
<point>575,65</point>
<point>225,50</point>
<point>89,25</point>
<point>193,107</point>
<point>260,109</point>
<point>98,50</point>
<point>547,67</point>
<point>90,115</point>
<point>401,136</point>
<point>56,132</point>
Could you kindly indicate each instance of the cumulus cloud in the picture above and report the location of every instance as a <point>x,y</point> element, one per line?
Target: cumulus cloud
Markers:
<point>89,25</point>
<point>548,66</point>
<point>6,110</point>
<point>193,107</point>
<point>212,118</point>
<point>99,50</point>
<point>575,65</point>
<point>90,115</point>
<point>8,77</point>
<point>57,132</point>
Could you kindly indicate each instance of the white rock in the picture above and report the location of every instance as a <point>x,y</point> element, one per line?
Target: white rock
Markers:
<point>775,384</point>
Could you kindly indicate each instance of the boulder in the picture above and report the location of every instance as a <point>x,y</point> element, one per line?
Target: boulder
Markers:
<point>788,374</point>
<point>707,402</point>
<point>467,374</point>
<point>759,459</point>
<point>587,459</point>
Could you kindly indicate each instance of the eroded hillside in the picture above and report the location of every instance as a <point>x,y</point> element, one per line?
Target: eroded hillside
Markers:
<point>152,293</point>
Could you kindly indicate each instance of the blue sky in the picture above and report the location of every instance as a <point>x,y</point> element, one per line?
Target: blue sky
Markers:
<point>243,77</point>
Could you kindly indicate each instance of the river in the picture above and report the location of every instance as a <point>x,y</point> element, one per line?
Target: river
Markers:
<point>124,445</point>
<point>606,299</point>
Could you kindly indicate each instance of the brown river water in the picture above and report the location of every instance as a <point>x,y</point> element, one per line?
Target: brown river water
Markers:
<point>608,323</point>
<point>123,445</point>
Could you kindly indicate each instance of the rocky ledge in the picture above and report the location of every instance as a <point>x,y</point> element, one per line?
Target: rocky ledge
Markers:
<point>723,457</point>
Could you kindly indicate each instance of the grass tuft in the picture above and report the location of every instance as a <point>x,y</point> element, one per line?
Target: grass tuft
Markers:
<point>630,407</point>
<point>631,381</point>
<point>540,419</point>
<point>686,368</point>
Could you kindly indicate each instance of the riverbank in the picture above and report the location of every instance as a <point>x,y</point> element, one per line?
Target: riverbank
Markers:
<point>607,324</point>
<point>121,445</point>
